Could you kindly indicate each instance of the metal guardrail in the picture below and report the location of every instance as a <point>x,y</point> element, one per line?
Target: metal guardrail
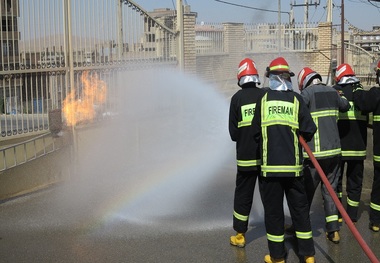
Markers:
<point>26,151</point>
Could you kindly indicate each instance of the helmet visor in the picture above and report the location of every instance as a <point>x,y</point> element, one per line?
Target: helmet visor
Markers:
<point>280,82</point>
<point>249,78</point>
<point>348,80</point>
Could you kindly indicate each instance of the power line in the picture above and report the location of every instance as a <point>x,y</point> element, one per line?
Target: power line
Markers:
<point>250,7</point>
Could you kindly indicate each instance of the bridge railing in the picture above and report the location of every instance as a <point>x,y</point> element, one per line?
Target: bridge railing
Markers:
<point>26,151</point>
<point>272,38</point>
<point>47,45</point>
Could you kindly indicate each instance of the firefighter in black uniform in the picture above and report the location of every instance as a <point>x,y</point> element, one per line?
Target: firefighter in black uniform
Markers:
<point>242,109</point>
<point>352,127</point>
<point>281,116</point>
<point>324,104</point>
<point>369,101</point>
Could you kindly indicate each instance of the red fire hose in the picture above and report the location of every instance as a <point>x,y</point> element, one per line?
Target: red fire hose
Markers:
<point>341,209</point>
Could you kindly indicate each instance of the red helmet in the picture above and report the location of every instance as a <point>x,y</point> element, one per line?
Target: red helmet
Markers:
<point>304,77</point>
<point>278,65</point>
<point>247,72</point>
<point>343,70</point>
<point>378,66</point>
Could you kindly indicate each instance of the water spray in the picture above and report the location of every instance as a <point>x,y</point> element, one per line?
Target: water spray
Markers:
<point>340,207</point>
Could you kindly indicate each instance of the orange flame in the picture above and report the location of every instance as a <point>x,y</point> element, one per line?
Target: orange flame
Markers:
<point>82,108</point>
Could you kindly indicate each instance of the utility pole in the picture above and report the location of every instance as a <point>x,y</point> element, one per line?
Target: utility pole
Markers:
<point>119,30</point>
<point>306,18</point>
<point>180,29</point>
<point>329,11</point>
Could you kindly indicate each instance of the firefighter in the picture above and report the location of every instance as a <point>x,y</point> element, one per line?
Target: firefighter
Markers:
<point>242,108</point>
<point>352,127</point>
<point>281,116</point>
<point>324,103</point>
<point>369,101</point>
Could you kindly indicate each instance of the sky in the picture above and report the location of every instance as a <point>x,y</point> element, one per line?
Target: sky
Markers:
<point>363,14</point>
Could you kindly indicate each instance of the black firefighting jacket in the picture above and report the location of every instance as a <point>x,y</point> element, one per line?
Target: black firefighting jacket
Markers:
<point>352,127</point>
<point>325,104</point>
<point>369,101</point>
<point>280,117</point>
<point>242,109</point>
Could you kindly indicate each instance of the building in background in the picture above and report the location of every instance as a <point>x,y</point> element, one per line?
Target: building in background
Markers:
<point>10,84</point>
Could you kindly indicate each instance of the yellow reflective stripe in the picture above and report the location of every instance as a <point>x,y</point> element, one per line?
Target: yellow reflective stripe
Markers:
<point>316,136</point>
<point>280,122</point>
<point>376,117</point>
<point>352,203</point>
<point>304,235</point>
<point>278,67</point>
<point>247,113</point>
<point>240,217</point>
<point>264,132</point>
<point>281,168</point>
<point>274,238</point>
<point>331,218</point>
<point>376,158</point>
<point>375,206</point>
<point>324,113</point>
<point>340,195</point>
<point>294,132</point>
<point>352,114</point>
<point>244,123</point>
<point>327,153</point>
<point>354,153</point>
<point>247,163</point>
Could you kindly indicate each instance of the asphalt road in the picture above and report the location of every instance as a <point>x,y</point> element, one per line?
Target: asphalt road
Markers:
<point>71,223</point>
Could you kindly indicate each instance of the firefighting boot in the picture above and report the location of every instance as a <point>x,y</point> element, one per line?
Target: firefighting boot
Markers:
<point>309,259</point>
<point>269,259</point>
<point>333,236</point>
<point>374,227</point>
<point>238,240</point>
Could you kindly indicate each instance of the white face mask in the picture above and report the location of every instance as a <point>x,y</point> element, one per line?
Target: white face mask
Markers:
<point>277,82</point>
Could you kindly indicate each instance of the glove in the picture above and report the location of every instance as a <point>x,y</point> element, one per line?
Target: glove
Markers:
<point>357,86</point>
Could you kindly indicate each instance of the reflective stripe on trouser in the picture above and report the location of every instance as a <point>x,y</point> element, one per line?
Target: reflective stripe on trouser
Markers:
<point>374,215</point>
<point>243,198</point>
<point>272,191</point>
<point>354,178</point>
<point>248,163</point>
<point>331,168</point>
<point>354,153</point>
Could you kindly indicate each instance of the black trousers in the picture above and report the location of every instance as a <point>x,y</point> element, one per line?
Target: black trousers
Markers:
<point>331,168</point>
<point>354,177</point>
<point>374,215</point>
<point>272,190</point>
<point>243,199</point>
